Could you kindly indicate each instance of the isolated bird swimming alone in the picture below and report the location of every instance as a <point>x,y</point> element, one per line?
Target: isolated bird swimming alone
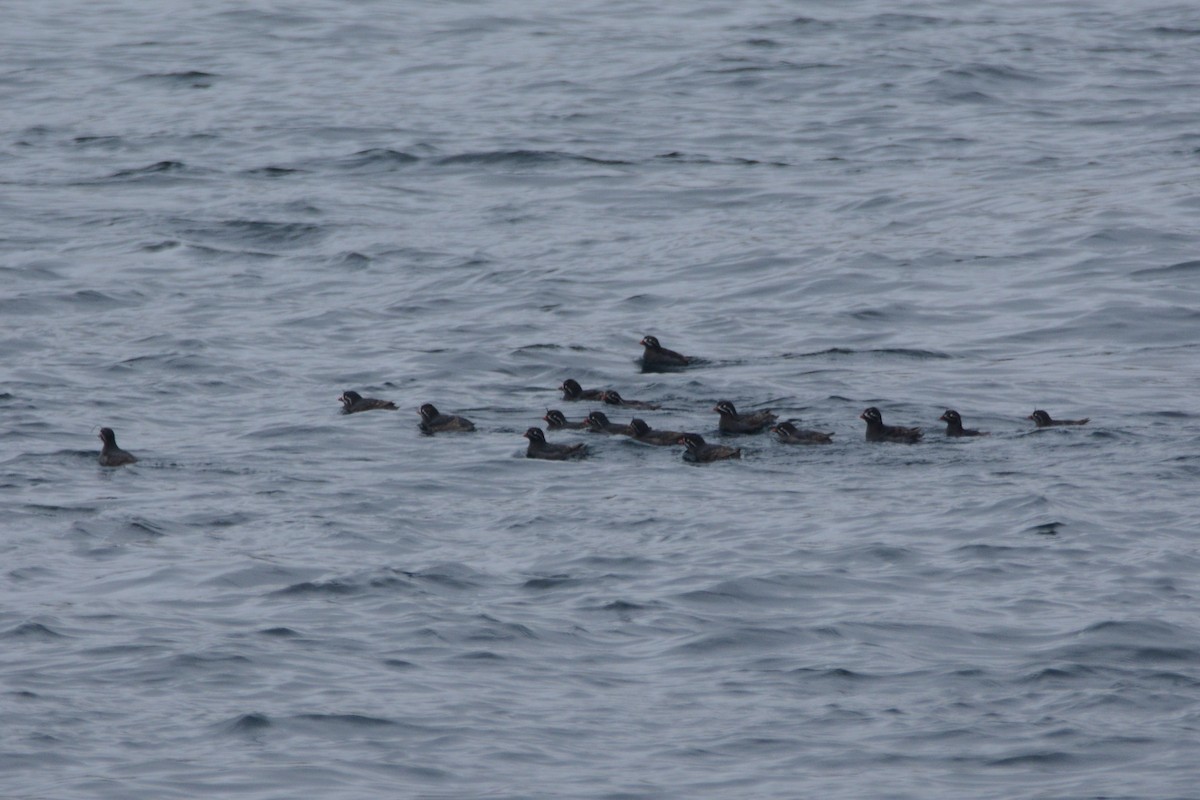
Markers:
<point>1043,420</point>
<point>433,421</point>
<point>655,356</point>
<point>612,398</point>
<point>110,454</point>
<point>701,452</point>
<point>540,448</point>
<point>733,422</point>
<point>573,391</point>
<point>598,423</point>
<point>878,432</point>
<point>639,430</point>
<point>954,426</point>
<point>353,402</point>
<point>557,421</point>
<point>787,433</point>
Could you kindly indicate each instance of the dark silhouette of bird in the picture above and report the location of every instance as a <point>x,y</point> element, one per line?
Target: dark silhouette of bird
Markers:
<point>655,356</point>
<point>612,398</point>
<point>1043,420</point>
<point>433,421</point>
<point>540,448</point>
<point>787,433</point>
<point>573,391</point>
<point>878,432</point>
<point>598,423</point>
<point>639,430</point>
<point>110,454</point>
<point>353,402</point>
<point>701,452</point>
<point>954,426</point>
<point>557,421</point>
<point>733,422</point>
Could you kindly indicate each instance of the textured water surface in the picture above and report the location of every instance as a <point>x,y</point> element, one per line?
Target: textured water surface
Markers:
<point>217,218</point>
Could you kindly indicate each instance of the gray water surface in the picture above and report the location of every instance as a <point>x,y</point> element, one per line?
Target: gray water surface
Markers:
<point>216,218</point>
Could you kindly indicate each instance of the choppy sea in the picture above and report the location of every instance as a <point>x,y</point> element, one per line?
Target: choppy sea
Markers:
<point>217,217</point>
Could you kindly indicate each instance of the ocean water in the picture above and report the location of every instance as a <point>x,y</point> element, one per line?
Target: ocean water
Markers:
<point>218,217</point>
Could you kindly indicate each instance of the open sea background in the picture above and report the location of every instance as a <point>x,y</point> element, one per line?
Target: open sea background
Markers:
<point>215,217</point>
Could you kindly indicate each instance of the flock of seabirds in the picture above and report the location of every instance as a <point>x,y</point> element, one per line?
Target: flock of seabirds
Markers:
<point>655,358</point>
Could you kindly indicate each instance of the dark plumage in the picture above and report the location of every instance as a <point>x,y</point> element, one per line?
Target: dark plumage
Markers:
<point>612,398</point>
<point>353,402</point>
<point>110,454</point>
<point>573,391</point>
<point>787,433</point>
<point>540,448</point>
<point>954,426</point>
<point>1043,420</point>
<point>701,452</point>
<point>639,430</point>
<point>598,423</point>
<point>557,421</point>
<point>655,356</point>
<point>433,421</point>
<point>878,432</point>
<point>733,422</point>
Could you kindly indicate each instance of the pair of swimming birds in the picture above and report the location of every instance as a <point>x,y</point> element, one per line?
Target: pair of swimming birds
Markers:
<point>696,450</point>
<point>432,420</point>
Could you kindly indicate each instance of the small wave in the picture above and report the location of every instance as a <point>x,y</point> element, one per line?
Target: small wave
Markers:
<point>390,580</point>
<point>351,260</point>
<point>905,21</point>
<point>1181,269</point>
<point>331,587</point>
<point>622,606</point>
<point>259,232</point>
<point>991,72</point>
<point>280,632</point>
<point>205,660</point>
<point>398,663</point>
<point>1135,628</point>
<point>450,575</point>
<point>1060,674</point>
<point>970,97</point>
<point>523,158</point>
<point>273,172</point>
<point>97,141</point>
<point>378,158</point>
<point>493,630</point>
<point>886,352</point>
<point>248,723</point>
<point>1169,30</point>
<point>192,79</point>
<point>144,526</point>
<point>550,582</point>
<point>808,24</point>
<point>550,346</point>
<point>831,673</point>
<point>736,641</point>
<point>1050,758</point>
<point>90,298</point>
<point>480,655</point>
<point>30,630</point>
<point>157,168</point>
<point>691,158</point>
